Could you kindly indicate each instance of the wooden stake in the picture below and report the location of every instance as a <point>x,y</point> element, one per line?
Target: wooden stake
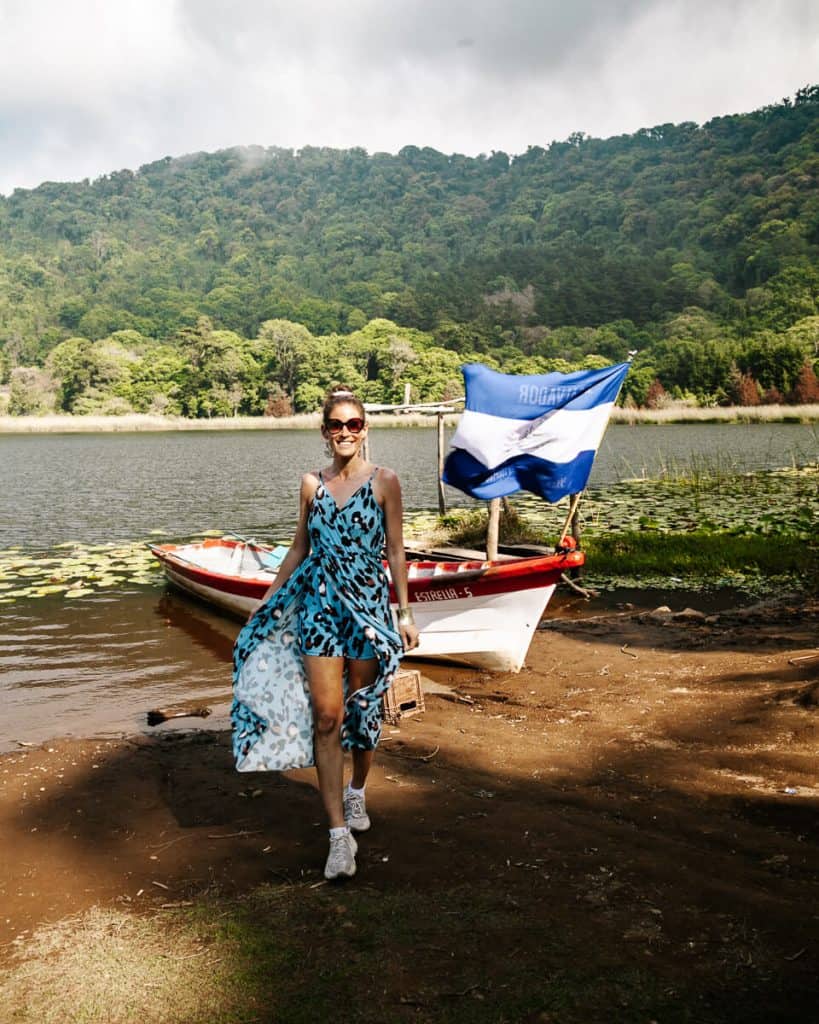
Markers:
<point>441,494</point>
<point>571,518</point>
<point>493,529</point>
<point>576,519</point>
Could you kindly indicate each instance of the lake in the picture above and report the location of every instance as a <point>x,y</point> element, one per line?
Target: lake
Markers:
<point>101,487</point>
<point>95,665</point>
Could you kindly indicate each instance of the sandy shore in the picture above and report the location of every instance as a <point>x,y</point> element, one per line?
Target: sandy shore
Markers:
<point>648,784</point>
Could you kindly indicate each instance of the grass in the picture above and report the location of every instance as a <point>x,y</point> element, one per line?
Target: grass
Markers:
<point>722,414</point>
<point>467,528</point>
<point>110,966</point>
<point>700,525</point>
<point>296,954</point>
<point>145,422</point>
<point>698,554</point>
<point>136,422</point>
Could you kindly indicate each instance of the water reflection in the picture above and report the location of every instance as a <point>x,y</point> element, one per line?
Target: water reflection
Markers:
<point>95,666</point>
<point>212,632</point>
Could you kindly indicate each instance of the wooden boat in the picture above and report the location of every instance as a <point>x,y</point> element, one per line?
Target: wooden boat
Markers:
<point>479,613</point>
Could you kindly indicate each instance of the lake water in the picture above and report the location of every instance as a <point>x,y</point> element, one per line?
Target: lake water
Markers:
<point>96,664</point>
<point>102,487</point>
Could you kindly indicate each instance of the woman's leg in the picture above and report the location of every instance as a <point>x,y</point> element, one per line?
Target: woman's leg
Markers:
<point>362,672</point>
<point>362,762</point>
<point>325,678</point>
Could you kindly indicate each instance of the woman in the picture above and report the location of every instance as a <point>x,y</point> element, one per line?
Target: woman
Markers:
<point>312,663</point>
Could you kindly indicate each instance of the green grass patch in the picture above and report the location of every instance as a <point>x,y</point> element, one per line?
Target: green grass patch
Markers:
<point>296,955</point>
<point>698,554</point>
<point>467,528</point>
<point>701,525</point>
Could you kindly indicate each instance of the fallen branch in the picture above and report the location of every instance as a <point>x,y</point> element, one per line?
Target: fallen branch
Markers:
<point>455,698</point>
<point>803,657</point>
<point>624,650</point>
<point>159,715</point>
<point>588,594</point>
<point>414,757</point>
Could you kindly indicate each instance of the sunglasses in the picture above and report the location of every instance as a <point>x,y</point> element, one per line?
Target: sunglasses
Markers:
<point>354,426</point>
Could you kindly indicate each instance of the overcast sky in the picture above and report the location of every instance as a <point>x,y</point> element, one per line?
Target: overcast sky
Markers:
<point>91,86</point>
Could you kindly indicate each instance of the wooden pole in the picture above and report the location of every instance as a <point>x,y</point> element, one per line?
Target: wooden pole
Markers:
<point>441,494</point>
<point>577,572</point>
<point>493,529</point>
<point>571,518</point>
<point>576,518</point>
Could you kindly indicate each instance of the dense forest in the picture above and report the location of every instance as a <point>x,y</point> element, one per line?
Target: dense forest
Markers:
<point>247,280</point>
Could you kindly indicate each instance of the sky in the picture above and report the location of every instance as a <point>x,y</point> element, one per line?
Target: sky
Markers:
<point>92,86</point>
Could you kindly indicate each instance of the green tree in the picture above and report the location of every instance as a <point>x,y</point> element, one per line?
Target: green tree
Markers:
<point>33,392</point>
<point>71,363</point>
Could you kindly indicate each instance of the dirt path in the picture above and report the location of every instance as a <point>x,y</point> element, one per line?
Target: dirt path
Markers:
<point>649,785</point>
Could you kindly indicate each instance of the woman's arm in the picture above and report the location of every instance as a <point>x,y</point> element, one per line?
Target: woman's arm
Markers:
<point>300,548</point>
<point>392,504</point>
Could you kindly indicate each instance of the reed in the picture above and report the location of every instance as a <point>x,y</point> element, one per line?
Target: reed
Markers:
<point>137,422</point>
<point>719,414</point>
<point>144,422</point>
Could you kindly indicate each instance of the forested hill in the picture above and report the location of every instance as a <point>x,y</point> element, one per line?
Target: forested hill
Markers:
<point>676,239</point>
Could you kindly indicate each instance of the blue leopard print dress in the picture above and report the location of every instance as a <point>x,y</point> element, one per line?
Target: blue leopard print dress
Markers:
<point>271,713</point>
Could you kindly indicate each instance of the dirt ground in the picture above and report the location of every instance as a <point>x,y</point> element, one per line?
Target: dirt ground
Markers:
<point>646,789</point>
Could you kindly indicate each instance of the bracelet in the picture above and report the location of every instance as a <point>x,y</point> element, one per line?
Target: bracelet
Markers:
<point>405,617</point>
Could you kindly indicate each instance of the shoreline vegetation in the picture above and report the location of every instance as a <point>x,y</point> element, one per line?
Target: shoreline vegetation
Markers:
<point>700,526</point>
<point>145,422</point>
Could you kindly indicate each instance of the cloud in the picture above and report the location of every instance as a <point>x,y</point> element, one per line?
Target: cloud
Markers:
<point>92,86</point>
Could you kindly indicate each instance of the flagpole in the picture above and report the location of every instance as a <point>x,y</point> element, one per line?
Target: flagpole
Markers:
<point>493,529</point>
<point>441,494</point>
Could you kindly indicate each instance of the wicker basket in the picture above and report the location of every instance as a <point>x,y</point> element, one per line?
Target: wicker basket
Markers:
<point>405,697</point>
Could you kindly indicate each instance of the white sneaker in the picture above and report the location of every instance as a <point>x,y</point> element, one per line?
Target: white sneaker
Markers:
<point>341,858</point>
<point>355,812</point>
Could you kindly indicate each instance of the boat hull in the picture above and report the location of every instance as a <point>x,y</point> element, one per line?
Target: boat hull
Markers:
<point>479,614</point>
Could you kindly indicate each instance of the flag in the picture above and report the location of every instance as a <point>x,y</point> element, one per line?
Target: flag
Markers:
<point>534,433</point>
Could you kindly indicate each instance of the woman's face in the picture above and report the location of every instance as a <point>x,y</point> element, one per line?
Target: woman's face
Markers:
<point>340,429</point>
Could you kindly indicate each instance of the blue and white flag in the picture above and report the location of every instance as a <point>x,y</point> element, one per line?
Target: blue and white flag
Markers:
<point>534,433</point>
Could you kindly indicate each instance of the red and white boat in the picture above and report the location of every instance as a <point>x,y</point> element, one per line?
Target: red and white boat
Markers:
<point>479,613</point>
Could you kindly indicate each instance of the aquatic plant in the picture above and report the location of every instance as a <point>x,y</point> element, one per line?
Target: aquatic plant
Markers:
<point>75,570</point>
